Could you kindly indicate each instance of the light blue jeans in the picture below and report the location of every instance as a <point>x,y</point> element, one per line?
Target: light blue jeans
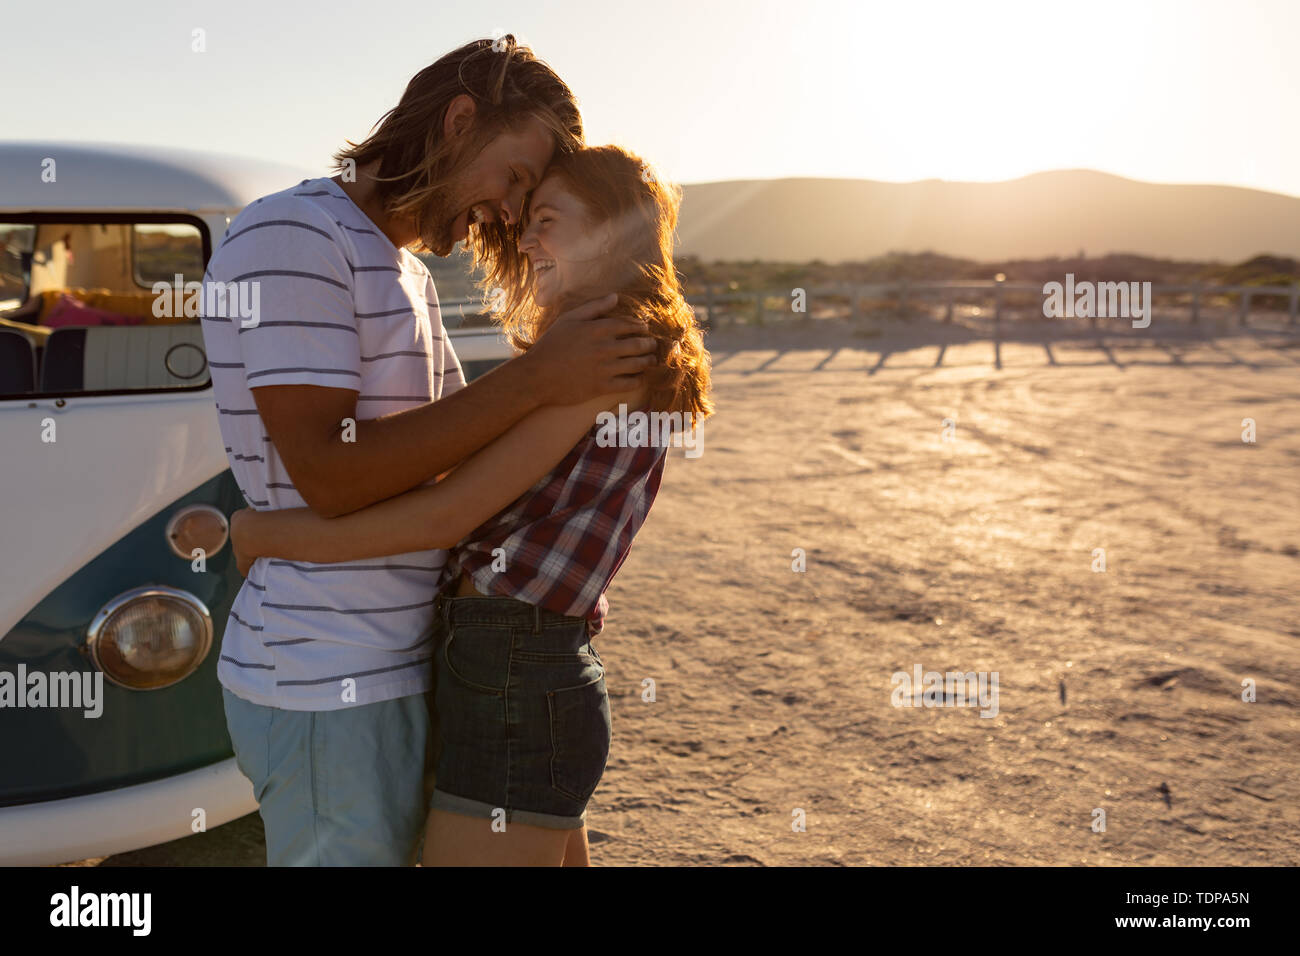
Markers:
<point>346,787</point>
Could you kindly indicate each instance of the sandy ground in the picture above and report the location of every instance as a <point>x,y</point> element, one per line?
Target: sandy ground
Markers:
<point>1119,691</point>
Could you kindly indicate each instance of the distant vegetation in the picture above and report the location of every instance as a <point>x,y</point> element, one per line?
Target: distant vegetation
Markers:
<point>1117,267</point>
<point>452,278</point>
<point>755,276</point>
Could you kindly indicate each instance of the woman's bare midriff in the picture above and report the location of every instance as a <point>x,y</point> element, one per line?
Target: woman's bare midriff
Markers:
<point>465,587</point>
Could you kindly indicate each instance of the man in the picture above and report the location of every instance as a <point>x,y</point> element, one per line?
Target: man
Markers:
<point>342,390</point>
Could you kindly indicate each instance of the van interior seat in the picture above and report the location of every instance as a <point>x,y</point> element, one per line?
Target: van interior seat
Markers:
<point>135,304</point>
<point>17,363</point>
<point>112,358</point>
<point>36,334</point>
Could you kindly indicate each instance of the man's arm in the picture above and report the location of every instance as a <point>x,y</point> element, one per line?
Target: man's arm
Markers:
<point>435,516</point>
<point>578,358</point>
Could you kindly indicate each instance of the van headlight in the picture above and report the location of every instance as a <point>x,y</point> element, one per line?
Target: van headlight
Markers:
<point>150,637</point>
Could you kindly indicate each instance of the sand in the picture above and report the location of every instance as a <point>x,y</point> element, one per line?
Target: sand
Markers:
<point>1119,691</point>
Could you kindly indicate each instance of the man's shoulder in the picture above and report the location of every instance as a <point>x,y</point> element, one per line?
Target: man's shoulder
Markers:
<point>416,264</point>
<point>304,205</point>
<point>292,229</point>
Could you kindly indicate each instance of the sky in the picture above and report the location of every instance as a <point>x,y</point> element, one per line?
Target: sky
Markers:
<point>1199,91</point>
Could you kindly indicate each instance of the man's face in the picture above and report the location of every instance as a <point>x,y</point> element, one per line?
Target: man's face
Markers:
<point>492,187</point>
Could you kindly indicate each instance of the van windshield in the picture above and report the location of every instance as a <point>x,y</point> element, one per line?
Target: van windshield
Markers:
<point>99,305</point>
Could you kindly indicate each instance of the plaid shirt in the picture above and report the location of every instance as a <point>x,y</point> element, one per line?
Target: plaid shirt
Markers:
<point>566,537</point>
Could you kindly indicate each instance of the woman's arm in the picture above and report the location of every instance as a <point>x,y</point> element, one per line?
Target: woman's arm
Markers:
<point>435,516</point>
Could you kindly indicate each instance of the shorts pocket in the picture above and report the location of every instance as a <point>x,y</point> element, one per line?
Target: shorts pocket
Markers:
<point>478,656</point>
<point>249,726</point>
<point>580,734</point>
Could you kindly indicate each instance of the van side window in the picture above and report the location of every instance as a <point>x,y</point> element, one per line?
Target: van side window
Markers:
<point>15,263</point>
<point>162,252</point>
<point>99,306</point>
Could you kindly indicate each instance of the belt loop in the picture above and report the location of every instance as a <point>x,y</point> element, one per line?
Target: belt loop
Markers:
<point>537,621</point>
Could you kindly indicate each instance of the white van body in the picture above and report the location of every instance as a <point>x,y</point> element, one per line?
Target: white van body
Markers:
<point>118,459</point>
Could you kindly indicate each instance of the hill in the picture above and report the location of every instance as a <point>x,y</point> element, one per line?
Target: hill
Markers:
<point>1044,215</point>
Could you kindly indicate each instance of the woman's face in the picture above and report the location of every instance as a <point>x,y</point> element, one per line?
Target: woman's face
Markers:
<point>565,248</point>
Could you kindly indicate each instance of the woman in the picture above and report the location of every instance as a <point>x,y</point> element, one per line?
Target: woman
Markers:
<point>537,523</point>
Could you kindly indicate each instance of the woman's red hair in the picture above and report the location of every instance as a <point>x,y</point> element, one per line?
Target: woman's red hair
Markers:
<point>619,189</point>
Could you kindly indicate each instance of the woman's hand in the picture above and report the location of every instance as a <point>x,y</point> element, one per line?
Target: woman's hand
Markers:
<point>243,560</point>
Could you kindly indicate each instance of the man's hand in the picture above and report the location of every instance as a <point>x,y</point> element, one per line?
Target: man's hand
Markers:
<point>582,356</point>
<point>586,353</point>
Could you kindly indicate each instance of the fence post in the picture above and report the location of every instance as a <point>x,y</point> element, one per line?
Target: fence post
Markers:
<point>997,301</point>
<point>902,298</point>
<point>1245,308</point>
<point>1295,304</point>
<point>708,304</point>
<point>947,315</point>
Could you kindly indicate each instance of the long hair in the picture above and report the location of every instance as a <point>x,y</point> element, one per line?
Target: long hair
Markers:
<point>619,188</point>
<point>508,85</point>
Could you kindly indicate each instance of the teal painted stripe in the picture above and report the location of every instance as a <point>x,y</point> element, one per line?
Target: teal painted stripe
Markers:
<point>141,735</point>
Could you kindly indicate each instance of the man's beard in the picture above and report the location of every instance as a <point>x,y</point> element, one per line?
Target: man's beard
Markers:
<point>438,223</point>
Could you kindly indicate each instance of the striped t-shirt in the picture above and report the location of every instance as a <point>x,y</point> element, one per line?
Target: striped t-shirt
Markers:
<point>337,305</point>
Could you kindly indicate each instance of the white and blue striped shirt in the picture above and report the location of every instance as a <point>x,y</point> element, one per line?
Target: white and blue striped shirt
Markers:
<point>338,306</point>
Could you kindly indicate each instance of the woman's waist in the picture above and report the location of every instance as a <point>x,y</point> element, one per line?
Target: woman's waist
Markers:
<point>462,601</point>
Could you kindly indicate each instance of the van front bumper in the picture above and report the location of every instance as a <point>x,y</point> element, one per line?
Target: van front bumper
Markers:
<point>128,818</point>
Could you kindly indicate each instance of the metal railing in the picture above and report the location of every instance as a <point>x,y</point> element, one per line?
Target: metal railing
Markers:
<point>902,292</point>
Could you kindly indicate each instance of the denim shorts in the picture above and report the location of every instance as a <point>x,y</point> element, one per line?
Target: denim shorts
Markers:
<point>524,720</point>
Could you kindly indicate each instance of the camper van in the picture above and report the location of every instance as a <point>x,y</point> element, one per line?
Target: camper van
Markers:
<point>115,571</point>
